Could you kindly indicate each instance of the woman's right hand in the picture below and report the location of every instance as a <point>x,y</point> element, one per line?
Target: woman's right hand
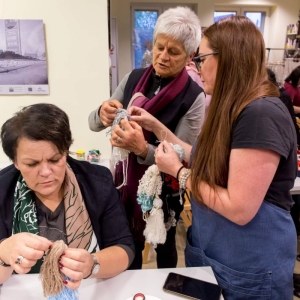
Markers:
<point>142,117</point>
<point>167,159</point>
<point>27,245</point>
<point>108,110</point>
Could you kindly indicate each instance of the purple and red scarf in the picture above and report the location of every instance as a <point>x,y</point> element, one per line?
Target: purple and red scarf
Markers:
<point>135,170</point>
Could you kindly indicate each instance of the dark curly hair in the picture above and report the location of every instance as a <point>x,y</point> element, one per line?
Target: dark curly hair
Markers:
<point>37,122</point>
<point>272,76</point>
<point>294,77</point>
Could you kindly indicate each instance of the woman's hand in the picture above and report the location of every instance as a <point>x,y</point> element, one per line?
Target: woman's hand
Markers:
<point>108,110</point>
<point>76,264</point>
<point>28,247</point>
<point>142,117</point>
<point>131,137</point>
<point>167,159</point>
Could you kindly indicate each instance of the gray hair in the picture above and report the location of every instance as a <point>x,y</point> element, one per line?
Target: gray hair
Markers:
<point>182,24</point>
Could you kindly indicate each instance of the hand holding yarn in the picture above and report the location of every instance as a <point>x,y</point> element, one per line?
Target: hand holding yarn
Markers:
<point>131,134</point>
<point>28,247</point>
<point>142,117</point>
<point>107,112</point>
<point>119,155</point>
<point>53,279</point>
<point>77,264</point>
<point>166,158</point>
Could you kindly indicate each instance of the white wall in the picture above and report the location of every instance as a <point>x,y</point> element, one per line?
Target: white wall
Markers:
<point>282,13</point>
<point>77,55</point>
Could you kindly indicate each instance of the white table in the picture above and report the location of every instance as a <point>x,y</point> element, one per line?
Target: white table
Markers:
<point>121,287</point>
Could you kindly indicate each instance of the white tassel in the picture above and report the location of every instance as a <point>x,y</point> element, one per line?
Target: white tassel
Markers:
<point>150,185</point>
<point>155,231</point>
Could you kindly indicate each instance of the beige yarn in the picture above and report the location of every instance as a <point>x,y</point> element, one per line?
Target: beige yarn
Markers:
<point>50,274</point>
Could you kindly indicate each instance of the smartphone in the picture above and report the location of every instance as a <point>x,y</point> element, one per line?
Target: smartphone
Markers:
<point>191,288</point>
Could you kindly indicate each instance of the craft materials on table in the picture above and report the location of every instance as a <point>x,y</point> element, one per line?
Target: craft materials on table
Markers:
<point>94,156</point>
<point>80,154</point>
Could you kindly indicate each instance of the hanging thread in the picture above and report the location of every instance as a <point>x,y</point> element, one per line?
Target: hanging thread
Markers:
<point>120,155</point>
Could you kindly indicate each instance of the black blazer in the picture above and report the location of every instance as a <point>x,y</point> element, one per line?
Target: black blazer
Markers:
<point>101,198</point>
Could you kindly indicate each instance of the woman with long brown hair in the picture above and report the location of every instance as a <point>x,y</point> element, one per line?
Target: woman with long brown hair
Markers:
<point>243,166</point>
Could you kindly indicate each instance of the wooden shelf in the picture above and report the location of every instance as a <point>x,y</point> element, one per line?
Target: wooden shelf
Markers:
<point>292,41</point>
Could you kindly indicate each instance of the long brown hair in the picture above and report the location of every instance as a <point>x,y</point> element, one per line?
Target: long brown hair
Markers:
<point>241,78</point>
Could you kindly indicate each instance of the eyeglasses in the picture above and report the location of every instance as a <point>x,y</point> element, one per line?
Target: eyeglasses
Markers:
<point>198,59</point>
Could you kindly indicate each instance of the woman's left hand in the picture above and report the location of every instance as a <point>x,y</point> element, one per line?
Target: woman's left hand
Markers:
<point>76,264</point>
<point>131,137</point>
<point>167,159</point>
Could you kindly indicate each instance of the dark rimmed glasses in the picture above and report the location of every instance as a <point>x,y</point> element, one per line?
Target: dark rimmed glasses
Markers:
<point>198,59</point>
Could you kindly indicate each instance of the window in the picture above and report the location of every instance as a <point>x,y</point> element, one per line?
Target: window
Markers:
<point>219,15</point>
<point>144,22</point>
<point>257,15</point>
<point>258,18</point>
<point>144,17</point>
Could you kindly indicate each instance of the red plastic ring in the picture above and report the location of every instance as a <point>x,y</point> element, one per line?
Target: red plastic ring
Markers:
<point>139,295</point>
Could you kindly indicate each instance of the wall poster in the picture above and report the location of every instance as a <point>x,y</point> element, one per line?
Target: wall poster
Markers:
<point>23,65</point>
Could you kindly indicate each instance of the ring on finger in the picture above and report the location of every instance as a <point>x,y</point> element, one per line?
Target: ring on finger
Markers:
<point>19,259</point>
<point>119,139</point>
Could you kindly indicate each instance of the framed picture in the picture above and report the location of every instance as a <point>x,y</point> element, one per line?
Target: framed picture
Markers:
<point>23,66</point>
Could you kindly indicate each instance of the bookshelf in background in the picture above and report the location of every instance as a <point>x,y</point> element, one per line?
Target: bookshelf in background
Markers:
<point>292,41</point>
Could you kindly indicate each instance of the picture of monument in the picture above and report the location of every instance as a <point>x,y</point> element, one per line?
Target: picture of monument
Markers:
<point>23,65</point>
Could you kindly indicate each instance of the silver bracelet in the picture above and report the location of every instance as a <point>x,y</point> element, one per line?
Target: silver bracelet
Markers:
<point>183,179</point>
<point>137,154</point>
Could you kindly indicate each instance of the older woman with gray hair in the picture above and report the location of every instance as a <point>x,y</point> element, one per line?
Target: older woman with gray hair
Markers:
<point>167,92</point>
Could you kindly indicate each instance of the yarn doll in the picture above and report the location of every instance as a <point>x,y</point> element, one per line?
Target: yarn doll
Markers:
<point>52,278</point>
<point>149,189</point>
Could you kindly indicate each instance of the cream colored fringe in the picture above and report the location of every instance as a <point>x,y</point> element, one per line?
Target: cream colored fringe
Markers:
<point>50,274</point>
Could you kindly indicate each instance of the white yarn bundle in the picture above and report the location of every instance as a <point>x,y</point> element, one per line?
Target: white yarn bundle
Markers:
<point>148,197</point>
<point>155,231</point>
<point>149,186</point>
<point>149,189</point>
<point>120,155</point>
